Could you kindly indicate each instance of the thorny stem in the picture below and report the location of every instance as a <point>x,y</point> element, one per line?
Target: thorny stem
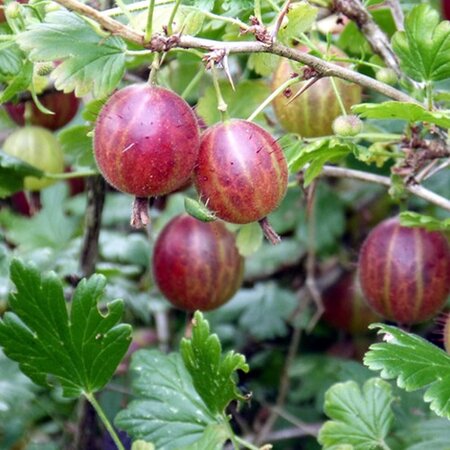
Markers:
<point>221,104</point>
<point>149,26</point>
<point>279,90</point>
<point>98,409</point>
<point>172,16</point>
<point>338,96</point>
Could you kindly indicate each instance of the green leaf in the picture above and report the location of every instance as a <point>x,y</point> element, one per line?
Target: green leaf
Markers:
<point>249,238</point>
<point>317,154</point>
<point>77,144</point>
<point>50,227</point>
<point>263,63</point>
<point>415,363</point>
<point>424,46</point>
<point>428,434</point>
<point>413,219</point>
<point>301,17</point>
<point>91,64</point>
<point>402,110</point>
<point>80,350</point>
<point>142,445</point>
<point>214,438</point>
<point>167,410</point>
<point>202,5</point>
<point>12,173</point>
<point>19,83</point>
<point>248,96</point>
<point>198,210</point>
<point>214,375</point>
<point>11,60</point>
<point>361,418</point>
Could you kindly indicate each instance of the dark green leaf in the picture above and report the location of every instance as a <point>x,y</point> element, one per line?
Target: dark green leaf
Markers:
<point>214,375</point>
<point>413,219</point>
<point>91,64</point>
<point>12,173</point>
<point>77,144</point>
<point>167,410</point>
<point>361,418</point>
<point>424,46</point>
<point>402,110</point>
<point>80,350</point>
<point>415,363</point>
<point>428,434</point>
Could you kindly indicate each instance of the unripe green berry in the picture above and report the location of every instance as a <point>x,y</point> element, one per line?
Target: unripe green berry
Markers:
<point>43,68</point>
<point>12,10</point>
<point>387,76</point>
<point>347,126</point>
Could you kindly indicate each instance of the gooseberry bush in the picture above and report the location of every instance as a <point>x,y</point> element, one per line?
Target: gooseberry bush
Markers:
<point>224,224</point>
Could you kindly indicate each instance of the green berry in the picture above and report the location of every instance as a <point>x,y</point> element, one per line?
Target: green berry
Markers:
<point>387,76</point>
<point>347,126</point>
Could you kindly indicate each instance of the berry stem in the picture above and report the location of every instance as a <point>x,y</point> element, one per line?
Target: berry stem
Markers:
<point>139,213</point>
<point>152,78</point>
<point>270,234</point>
<point>221,104</point>
<point>172,16</point>
<point>338,96</point>
<point>187,90</point>
<point>257,10</point>
<point>148,28</point>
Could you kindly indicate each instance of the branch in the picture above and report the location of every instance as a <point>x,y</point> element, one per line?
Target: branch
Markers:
<point>165,43</point>
<point>379,42</point>
<point>419,191</point>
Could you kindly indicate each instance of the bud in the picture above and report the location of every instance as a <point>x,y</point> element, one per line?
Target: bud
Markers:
<point>347,126</point>
<point>387,76</point>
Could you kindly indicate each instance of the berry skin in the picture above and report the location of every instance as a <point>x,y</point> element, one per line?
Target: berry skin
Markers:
<point>312,114</point>
<point>405,272</point>
<point>241,173</point>
<point>146,141</point>
<point>347,126</point>
<point>345,307</point>
<point>386,75</point>
<point>38,147</point>
<point>65,107</point>
<point>196,264</point>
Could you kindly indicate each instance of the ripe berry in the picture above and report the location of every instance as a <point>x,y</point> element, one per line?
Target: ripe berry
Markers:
<point>347,126</point>
<point>345,308</point>
<point>313,112</point>
<point>38,147</point>
<point>146,141</point>
<point>241,173</point>
<point>196,264</point>
<point>405,272</point>
<point>65,107</point>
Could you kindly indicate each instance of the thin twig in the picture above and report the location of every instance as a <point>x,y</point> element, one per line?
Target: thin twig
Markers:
<point>418,190</point>
<point>397,13</point>
<point>279,21</point>
<point>377,39</point>
<point>320,66</point>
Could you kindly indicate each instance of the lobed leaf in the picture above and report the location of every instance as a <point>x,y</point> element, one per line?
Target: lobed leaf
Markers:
<point>167,410</point>
<point>415,363</point>
<point>403,111</point>
<point>80,350</point>
<point>413,219</point>
<point>424,46</point>
<point>361,418</point>
<point>213,375</point>
<point>91,63</point>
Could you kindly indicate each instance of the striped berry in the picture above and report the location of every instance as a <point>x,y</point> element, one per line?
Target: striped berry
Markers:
<point>241,173</point>
<point>64,106</point>
<point>196,264</point>
<point>146,141</point>
<point>313,112</point>
<point>405,272</point>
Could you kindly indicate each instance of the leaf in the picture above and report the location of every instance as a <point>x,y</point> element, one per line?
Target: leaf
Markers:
<point>19,83</point>
<point>11,60</point>
<point>361,418</point>
<point>214,438</point>
<point>317,154</point>
<point>263,63</point>
<point>424,46</point>
<point>12,173</point>
<point>77,144</point>
<point>80,350</point>
<point>91,64</point>
<point>415,363</point>
<point>213,375</point>
<point>198,210</point>
<point>249,238</point>
<point>413,219</point>
<point>202,5</point>
<point>301,16</point>
<point>142,445</point>
<point>402,110</point>
<point>50,227</point>
<point>248,96</point>
<point>167,410</point>
<point>428,434</point>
